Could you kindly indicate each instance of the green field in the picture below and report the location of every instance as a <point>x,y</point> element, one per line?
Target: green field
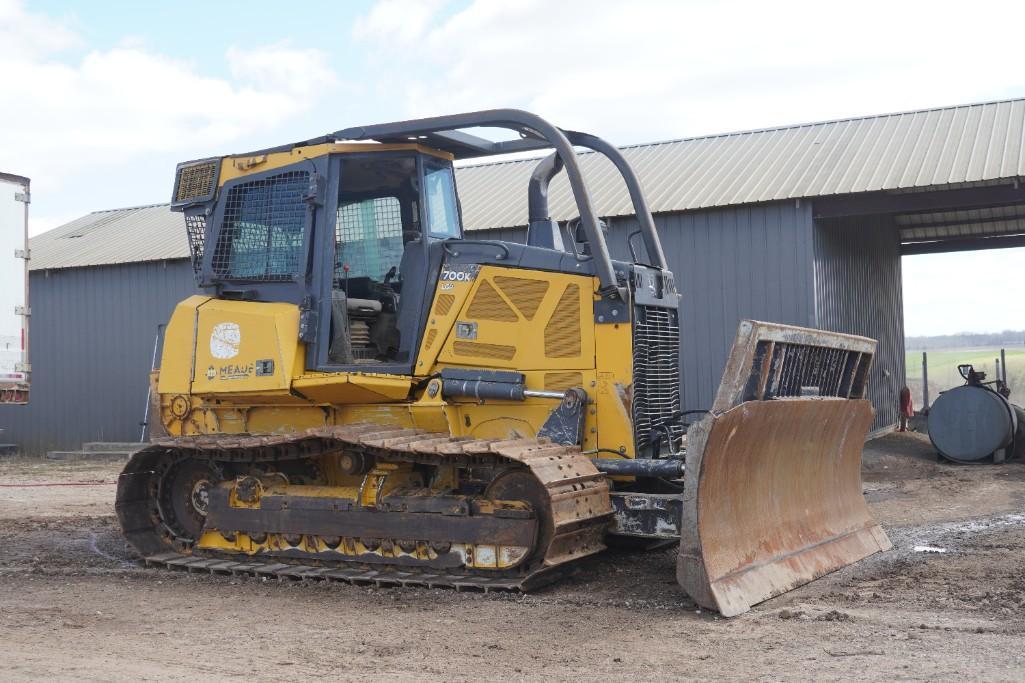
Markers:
<point>943,369</point>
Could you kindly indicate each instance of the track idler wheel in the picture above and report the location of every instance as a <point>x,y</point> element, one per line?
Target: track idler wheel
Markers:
<point>185,494</point>
<point>520,485</point>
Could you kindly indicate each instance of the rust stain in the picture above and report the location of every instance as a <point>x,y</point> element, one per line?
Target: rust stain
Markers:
<point>775,500</point>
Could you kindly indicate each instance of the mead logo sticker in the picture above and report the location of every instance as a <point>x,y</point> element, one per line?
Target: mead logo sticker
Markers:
<point>224,340</point>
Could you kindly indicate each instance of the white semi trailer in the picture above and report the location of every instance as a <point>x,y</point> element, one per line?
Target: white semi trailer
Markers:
<point>15,369</point>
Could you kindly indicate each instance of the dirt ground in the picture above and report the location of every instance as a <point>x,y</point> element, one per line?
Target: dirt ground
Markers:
<point>74,604</point>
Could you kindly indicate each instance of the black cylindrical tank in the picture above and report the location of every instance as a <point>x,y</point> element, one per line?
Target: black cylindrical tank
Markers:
<point>970,423</point>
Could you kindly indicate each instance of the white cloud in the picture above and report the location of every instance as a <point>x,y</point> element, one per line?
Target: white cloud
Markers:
<point>650,69</point>
<point>279,67</point>
<point>30,35</point>
<point>400,20</point>
<point>69,118</point>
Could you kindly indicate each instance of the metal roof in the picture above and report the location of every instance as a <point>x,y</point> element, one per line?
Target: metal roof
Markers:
<point>143,233</point>
<point>932,148</point>
<point>917,149</point>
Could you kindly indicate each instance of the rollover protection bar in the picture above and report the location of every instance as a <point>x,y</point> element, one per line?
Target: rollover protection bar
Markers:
<point>446,133</point>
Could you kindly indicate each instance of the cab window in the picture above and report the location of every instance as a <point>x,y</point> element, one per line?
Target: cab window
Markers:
<point>440,197</point>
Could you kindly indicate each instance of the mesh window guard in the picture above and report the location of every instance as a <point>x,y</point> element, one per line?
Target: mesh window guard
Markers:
<point>262,234</point>
<point>195,227</point>
<point>368,237</point>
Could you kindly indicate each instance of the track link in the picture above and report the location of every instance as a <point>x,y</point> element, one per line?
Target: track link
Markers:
<point>577,497</point>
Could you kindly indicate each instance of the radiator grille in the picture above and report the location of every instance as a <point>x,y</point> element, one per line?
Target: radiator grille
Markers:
<point>262,234</point>
<point>196,181</point>
<point>561,381</point>
<point>195,228</point>
<point>525,294</point>
<point>444,304</point>
<point>562,333</point>
<point>656,374</point>
<point>488,304</point>
<point>482,350</point>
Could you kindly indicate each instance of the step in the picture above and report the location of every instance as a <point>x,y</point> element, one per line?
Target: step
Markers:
<point>112,446</point>
<point>88,455</point>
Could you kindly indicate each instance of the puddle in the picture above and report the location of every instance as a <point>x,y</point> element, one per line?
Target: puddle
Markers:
<point>943,538</point>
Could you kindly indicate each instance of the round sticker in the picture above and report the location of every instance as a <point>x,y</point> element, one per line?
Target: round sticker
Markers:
<point>224,340</point>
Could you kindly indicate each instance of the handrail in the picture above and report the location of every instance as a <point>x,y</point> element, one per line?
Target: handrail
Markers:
<point>549,167</point>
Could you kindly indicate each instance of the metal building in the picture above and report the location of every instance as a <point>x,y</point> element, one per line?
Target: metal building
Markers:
<point>800,224</point>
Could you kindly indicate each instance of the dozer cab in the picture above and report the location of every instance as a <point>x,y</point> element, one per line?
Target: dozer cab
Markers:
<point>365,394</point>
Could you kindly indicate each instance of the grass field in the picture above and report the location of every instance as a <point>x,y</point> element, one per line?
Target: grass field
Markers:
<point>943,370</point>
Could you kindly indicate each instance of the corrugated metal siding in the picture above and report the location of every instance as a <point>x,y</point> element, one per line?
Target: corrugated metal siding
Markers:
<point>747,262</point>
<point>919,149</point>
<point>858,291</point>
<point>996,220</point>
<point>92,342</point>
<point>145,233</point>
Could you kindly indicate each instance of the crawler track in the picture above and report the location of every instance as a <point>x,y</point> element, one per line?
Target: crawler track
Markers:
<point>577,500</point>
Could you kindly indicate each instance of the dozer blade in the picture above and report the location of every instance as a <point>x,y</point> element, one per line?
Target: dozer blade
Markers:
<point>772,495</point>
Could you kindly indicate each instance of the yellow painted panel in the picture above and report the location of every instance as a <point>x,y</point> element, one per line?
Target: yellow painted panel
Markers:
<point>244,346</point>
<point>343,387</point>
<point>241,165</point>
<point>179,341</point>
<point>449,299</point>
<point>525,320</point>
<point>613,392</point>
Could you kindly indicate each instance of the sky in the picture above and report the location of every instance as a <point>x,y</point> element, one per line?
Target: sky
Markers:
<point>99,101</point>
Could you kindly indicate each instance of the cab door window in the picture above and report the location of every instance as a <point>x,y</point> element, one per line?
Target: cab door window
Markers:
<point>377,233</point>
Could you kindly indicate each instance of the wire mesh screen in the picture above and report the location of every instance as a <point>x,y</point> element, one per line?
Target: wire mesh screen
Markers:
<point>368,237</point>
<point>262,234</point>
<point>195,228</point>
<point>783,369</point>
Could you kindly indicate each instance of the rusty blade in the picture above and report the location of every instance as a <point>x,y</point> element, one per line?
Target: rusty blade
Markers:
<point>773,500</point>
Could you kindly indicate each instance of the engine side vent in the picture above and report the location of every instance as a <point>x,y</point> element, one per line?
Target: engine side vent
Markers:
<point>561,381</point>
<point>525,294</point>
<point>443,304</point>
<point>481,350</point>
<point>431,335</point>
<point>195,182</point>
<point>562,333</point>
<point>488,304</point>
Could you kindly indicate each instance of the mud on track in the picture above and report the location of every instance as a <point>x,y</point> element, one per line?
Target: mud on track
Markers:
<point>73,604</point>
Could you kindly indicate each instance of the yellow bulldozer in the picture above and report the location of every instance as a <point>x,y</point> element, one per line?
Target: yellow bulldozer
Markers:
<point>364,394</point>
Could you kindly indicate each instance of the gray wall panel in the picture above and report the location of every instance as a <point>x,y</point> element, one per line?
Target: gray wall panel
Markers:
<point>92,341</point>
<point>858,291</point>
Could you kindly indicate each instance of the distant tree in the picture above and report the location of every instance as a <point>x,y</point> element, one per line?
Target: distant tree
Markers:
<point>965,340</point>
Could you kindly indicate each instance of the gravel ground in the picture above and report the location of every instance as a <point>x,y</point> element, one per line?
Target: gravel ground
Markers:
<point>74,604</point>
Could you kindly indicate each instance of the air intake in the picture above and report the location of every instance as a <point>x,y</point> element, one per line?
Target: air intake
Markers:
<point>488,304</point>
<point>195,182</point>
<point>562,333</point>
<point>525,294</point>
